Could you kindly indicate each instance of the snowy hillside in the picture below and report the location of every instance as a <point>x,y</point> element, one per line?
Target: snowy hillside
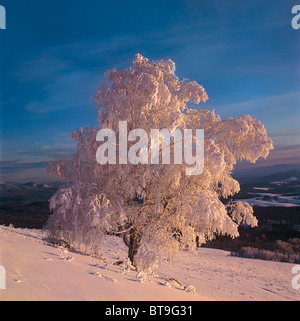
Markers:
<point>36,270</point>
<point>269,199</point>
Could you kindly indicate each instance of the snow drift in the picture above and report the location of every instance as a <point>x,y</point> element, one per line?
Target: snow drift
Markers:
<point>37,270</point>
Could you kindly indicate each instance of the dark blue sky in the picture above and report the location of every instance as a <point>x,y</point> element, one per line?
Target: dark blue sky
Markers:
<point>53,55</point>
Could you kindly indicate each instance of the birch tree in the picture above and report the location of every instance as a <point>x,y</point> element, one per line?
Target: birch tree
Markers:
<point>159,207</point>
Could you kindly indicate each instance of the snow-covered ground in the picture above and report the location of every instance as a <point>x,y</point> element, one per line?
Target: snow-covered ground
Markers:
<point>36,270</point>
<point>290,198</point>
<point>269,199</point>
<point>281,202</point>
<point>285,181</point>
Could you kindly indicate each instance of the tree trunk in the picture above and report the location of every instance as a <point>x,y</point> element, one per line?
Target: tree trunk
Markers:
<point>133,245</point>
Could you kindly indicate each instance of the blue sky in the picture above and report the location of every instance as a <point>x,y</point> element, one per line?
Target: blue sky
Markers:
<point>53,55</point>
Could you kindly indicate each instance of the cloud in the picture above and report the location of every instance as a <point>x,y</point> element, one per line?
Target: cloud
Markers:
<point>14,166</point>
<point>72,89</point>
<point>274,103</point>
<point>286,133</point>
<point>44,152</point>
<point>44,68</point>
<point>66,76</point>
<point>31,163</point>
<point>288,148</point>
<point>59,147</point>
<point>15,171</point>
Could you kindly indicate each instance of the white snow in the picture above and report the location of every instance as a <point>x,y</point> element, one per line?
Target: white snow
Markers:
<point>290,179</point>
<point>274,200</point>
<point>36,270</point>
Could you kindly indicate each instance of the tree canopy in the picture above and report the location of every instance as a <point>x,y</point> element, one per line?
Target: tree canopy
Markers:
<point>163,209</point>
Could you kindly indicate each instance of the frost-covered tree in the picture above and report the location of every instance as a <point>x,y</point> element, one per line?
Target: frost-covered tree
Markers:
<point>161,209</point>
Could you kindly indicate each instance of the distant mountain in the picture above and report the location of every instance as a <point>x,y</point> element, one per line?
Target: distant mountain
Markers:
<point>20,192</point>
<point>26,204</point>
<point>4,186</point>
<point>267,174</point>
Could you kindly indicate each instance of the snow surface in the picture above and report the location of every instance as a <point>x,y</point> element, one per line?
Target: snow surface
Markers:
<point>282,201</point>
<point>36,270</point>
<point>272,200</point>
<point>262,188</point>
<point>290,179</point>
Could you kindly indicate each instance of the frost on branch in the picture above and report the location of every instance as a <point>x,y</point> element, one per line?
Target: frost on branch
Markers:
<point>242,213</point>
<point>161,209</point>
